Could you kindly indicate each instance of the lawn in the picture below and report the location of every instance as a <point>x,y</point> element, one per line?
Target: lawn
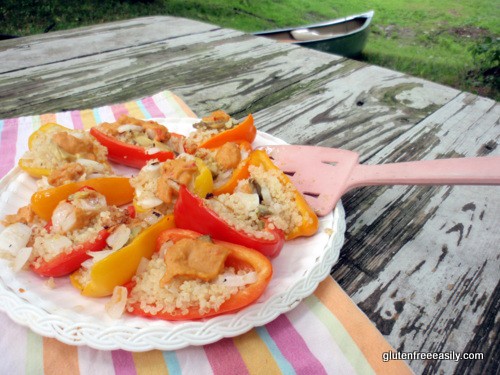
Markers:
<point>453,42</point>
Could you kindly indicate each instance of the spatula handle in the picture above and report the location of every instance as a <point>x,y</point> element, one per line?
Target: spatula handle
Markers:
<point>459,171</point>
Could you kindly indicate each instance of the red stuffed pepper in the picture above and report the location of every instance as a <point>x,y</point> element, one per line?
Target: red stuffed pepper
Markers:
<point>133,142</point>
<point>78,225</point>
<point>191,213</point>
<point>220,278</point>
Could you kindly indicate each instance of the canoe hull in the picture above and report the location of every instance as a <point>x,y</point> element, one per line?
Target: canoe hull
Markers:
<point>349,44</point>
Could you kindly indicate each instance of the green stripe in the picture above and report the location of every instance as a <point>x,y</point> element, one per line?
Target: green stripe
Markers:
<point>34,354</point>
<point>340,336</point>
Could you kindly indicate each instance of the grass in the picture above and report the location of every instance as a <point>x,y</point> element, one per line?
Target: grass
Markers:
<point>453,42</point>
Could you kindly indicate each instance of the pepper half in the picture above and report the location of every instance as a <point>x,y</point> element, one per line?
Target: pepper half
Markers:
<point>191,213</point>
<point>240,258</point>
<point>239,173</point>
<point>202,185</point>
<point>23,164</point>
<point>117,191</point>
<point>119,267</point>
<point>38,172</point>
<point>309,224</point>
<point>66,262</point>
<point>128,154</point>
<point>244,131</point>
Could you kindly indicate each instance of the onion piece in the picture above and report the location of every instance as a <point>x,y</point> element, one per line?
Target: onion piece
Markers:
<point>119,237</point>
<point>232,280</point>
<point>63,217</point>
<point>266,195</point>
<point>153,150</point>
<point>222,178</point>
<point>115,307</point>
<point>129,128</point>
<point>99,255</point>
<point>14,237</point>
<point>22,258</point>
<point>149,202</point>
<point>143,264</point>
<point>87,163</point>
<point>151,167</point>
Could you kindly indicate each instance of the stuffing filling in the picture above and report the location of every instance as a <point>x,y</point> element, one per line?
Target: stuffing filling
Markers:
<point>157,184</point>
<point>211,125</point>
<point>258,199</point>
<point>75,221</point>
<point>148,134</point>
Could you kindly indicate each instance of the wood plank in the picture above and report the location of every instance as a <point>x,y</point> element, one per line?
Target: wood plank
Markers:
<point>22,53</point>
<point>410,259</point>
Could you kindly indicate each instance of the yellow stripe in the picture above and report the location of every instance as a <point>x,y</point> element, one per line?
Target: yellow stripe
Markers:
<point>150,363</point>
<point>255,354</point>
<point>48,117</point>
<point>369,340</point>
<point>59,358</point>
<point>134,110</point>
<point>88,118</point>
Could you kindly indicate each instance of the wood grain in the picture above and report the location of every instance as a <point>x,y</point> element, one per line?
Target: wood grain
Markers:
<point>421,262</point>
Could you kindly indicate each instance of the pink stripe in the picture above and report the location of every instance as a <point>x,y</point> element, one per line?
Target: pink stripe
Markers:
<point>225,358</point>
<point>8,145</point>
<point>152,108</point>
<point>119,110</point>
<point>77,120</point>
<point>123,362</point>
<point>293,347</point>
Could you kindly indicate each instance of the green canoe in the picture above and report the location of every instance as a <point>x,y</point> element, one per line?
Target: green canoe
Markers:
<point>344,36</point>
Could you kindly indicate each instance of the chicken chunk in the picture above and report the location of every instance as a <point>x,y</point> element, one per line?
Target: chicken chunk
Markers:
<point>228,156</point>
<point>195,259</point>
<point>173,173</point>
<point>66,173</point>
<point>24,215</point>
<point>80,147</point>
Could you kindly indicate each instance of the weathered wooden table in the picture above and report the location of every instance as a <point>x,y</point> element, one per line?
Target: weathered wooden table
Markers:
<point>421,262</point>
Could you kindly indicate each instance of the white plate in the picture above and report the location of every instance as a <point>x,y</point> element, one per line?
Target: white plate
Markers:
<point>64,314</point>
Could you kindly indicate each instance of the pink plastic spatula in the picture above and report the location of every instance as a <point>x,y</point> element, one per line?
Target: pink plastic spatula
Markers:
<point>324,174</point>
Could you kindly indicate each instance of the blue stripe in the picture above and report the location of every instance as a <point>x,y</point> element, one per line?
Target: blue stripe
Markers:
<point>282,362</point>
<point>97,116</point>
<point>1,128</point>
<point>145,112</point>
<point>172,362</point>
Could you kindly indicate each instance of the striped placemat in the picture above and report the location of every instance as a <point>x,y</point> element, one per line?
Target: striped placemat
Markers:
<point>325,334</point>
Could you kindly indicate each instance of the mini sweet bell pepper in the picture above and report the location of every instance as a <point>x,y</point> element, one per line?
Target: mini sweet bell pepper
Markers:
<point>117,191</point>
<point>244,131</point>
<point>44,129</point>
<point>240,258</point>
<point>202,185</point>
<point>239,173</point>
<point>309,225</point>
<point>191,213</point>
<point>66,262</point>
<point>119,267</point>
<point>128,154</point>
